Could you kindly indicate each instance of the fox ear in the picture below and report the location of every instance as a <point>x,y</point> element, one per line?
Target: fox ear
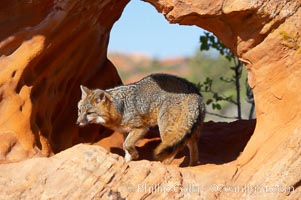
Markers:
<point>84,90</point>
<point>102,96</point>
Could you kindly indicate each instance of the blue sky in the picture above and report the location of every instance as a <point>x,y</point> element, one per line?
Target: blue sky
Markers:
<point>142,29</point>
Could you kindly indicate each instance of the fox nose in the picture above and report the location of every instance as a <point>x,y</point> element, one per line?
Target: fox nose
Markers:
<point>78,122</point>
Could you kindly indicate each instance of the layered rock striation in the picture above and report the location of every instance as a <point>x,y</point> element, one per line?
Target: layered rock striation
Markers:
<point>48,48</point>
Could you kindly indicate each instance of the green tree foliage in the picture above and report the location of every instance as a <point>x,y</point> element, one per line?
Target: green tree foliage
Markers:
<point>209,41</point>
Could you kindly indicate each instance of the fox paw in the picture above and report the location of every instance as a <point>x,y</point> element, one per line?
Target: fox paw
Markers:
<point>128,157</point>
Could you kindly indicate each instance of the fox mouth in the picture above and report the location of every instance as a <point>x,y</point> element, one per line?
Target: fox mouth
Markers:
<point>96,120</point>
<point>81,124</point>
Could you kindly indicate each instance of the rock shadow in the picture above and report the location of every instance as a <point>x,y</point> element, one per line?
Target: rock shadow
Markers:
<point>220,143</point>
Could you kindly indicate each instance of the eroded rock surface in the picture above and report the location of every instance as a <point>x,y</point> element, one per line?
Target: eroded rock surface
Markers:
<point>47,49</point>
<point>90,172</point>
<point>266,36</point>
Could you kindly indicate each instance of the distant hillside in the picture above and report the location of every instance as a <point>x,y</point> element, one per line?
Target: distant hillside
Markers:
<point>134,66</point>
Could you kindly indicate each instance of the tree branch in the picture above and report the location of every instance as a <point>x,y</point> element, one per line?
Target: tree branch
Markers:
<point>221,116</point>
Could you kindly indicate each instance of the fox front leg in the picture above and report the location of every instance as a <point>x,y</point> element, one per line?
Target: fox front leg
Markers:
<point>131,152</point>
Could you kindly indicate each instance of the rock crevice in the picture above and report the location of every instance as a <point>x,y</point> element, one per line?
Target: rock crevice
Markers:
<point>49,48</point>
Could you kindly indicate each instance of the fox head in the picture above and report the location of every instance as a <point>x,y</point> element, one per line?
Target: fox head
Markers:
<point>94,107</point>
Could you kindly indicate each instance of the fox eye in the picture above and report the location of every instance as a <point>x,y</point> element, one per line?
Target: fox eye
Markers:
<point>89,112</point>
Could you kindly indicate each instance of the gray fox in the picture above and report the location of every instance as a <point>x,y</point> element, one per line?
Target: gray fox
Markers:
<point>171,102</point>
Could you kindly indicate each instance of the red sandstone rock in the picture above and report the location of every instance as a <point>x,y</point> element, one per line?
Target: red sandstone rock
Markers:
<point>90,172</point>
<point>50,47</point>
<point>266,36</point>
<point>47,49</point>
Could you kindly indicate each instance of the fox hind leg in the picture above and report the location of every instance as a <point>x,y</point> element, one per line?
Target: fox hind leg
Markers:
<point>193,153</point>
<point>170,158</point>
<point>193,146</point>
<point>131,152</point>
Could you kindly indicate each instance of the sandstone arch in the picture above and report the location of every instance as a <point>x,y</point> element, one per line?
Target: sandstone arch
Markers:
<point>44,49</point>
